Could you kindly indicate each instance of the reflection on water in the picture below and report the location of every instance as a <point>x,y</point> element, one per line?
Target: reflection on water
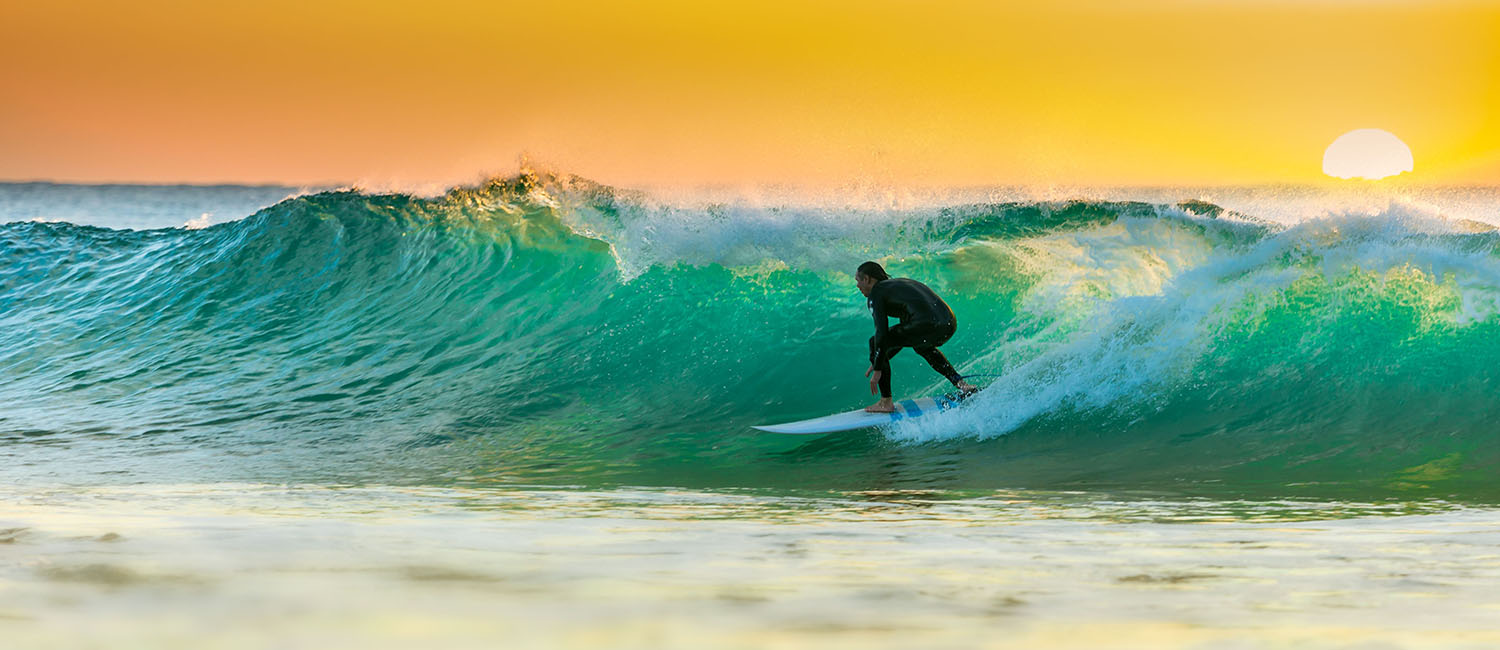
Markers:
<point>254,566</point>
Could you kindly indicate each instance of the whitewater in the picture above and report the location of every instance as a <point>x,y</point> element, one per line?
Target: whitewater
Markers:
<point>1258,417</point>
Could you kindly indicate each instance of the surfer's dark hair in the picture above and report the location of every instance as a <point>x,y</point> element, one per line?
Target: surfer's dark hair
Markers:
<point>873,271</point>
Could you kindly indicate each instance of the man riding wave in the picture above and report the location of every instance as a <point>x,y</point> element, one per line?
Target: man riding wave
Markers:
<point>926,322</point>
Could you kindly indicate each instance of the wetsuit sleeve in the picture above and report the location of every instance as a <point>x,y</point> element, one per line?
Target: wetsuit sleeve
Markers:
<point>877,308</point>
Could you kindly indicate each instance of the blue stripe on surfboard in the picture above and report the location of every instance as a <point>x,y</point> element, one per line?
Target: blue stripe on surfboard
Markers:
<point>912,410</point>
<point>909,409</point>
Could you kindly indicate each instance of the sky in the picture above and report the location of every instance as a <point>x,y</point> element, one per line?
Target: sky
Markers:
<point>692,93</point>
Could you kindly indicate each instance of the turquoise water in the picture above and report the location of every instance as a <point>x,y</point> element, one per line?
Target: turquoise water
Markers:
<point>1249,415</point>
<point>543,331</point>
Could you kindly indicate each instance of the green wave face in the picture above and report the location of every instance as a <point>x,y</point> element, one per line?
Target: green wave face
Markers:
<point>551,331</point>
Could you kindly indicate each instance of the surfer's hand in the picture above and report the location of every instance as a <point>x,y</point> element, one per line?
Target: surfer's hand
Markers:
<point>869,370</point>
<point>874,380</point>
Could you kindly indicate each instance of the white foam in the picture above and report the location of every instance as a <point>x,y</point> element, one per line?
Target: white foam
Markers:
<point>200,222</point>
<point>1125,311</point>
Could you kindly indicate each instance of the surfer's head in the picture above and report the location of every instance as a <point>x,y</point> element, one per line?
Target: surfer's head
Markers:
<point>867,275</point>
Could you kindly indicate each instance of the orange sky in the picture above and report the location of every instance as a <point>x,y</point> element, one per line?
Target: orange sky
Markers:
<point>686,93</point>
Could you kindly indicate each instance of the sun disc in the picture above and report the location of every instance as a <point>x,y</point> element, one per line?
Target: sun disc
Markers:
<point>1367,153</point>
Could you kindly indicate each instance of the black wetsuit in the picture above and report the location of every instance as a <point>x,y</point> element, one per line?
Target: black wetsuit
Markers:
<point>926,322</point>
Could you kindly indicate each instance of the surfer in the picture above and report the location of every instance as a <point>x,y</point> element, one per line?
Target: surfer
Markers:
<point>926,323</point>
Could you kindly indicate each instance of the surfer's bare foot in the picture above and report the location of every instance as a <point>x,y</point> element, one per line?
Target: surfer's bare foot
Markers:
<point>883,406</point>
<point>965,389</point>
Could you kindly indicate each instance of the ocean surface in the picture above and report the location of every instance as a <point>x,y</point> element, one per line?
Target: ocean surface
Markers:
<point>517,414</point>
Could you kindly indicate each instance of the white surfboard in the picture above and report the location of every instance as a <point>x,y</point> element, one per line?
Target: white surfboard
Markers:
<point>907,408</point>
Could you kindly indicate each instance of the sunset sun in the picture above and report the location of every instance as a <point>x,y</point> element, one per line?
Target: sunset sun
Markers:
<point>1367,153</point>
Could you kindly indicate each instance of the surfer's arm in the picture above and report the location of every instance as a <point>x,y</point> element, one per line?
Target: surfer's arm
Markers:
<point>882,327</point>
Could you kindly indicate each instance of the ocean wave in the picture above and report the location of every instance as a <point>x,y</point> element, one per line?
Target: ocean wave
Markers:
<point>542,327</point>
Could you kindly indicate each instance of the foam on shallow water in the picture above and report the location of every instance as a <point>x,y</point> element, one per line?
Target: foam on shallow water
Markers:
<point>246,565</point>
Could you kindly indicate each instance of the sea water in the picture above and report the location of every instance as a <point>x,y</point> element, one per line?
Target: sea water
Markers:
<point>516,414</point>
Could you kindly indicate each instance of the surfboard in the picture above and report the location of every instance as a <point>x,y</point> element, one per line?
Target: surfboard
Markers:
<point>905,409</point>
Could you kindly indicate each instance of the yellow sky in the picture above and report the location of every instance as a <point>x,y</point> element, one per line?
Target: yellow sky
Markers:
<point>664,92</point>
